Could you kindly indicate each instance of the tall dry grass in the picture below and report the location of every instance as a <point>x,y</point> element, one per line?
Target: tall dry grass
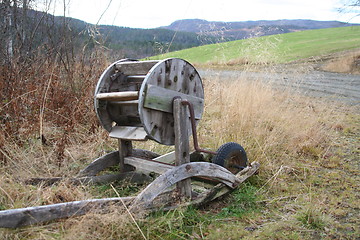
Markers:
<point>269,123</point>
<point>346,62</point>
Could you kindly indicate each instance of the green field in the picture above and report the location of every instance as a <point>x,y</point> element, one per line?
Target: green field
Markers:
<point>281,48</point>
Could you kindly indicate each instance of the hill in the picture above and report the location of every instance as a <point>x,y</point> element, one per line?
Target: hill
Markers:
<point>279,48</point>
<point>29,30</point>
<point>247,29</point>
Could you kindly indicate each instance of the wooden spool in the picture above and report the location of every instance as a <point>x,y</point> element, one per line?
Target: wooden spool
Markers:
<point>134,99</point>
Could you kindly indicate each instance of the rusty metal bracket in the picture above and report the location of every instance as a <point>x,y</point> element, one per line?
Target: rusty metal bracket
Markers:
<point>193,127</point>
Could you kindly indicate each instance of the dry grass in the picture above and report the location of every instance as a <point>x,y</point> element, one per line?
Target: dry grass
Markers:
<point>347,62</point>
<point>295,138</point>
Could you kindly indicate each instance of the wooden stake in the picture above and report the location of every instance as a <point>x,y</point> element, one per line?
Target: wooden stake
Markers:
<point>182,155</point>
<point>125,149</point>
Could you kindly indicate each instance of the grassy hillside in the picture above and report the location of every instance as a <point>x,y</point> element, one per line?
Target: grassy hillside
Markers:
<point>274,49</point>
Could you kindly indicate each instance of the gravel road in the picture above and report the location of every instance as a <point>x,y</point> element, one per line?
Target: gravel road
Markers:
<point>335,86</point>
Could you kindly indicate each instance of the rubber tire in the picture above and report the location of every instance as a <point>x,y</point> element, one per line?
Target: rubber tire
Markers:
<point>231,151</point>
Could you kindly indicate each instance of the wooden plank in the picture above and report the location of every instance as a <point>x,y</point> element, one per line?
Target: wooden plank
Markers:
<point>118,96</point>
<point>182,147</point>
<point>166,158</point>
<point>161,99</point>
<point>128,133</point>
<point>20,217</point>
<point>179,173</point>
<point>147,166</point>
<point>135,68</point>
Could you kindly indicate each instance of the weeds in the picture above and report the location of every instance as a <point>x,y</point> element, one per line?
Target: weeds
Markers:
<point>312,218</point>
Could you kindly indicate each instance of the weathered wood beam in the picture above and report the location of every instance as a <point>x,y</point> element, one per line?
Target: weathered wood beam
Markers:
<point>147,166</point>
<point>180,173</point>
<point>182,148</point>
<point>161,99</point>
<point>220,189</point>
<point>20,217</point>
<point>101,163</point>
<point>166,158</point>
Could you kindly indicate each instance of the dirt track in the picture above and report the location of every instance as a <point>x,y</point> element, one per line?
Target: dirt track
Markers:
<point>334,86</point>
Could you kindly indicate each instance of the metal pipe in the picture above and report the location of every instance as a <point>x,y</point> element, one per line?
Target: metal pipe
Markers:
<point>193,128</point>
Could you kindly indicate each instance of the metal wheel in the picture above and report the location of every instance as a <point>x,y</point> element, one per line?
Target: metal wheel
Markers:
<point>232,156</point>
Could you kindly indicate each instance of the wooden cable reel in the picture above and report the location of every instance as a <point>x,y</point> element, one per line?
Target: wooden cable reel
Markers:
<point>133,99</point>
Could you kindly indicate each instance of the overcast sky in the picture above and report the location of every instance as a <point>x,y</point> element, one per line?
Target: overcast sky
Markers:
<point>156,13</point>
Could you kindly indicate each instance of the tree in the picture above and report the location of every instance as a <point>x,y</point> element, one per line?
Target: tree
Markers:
<point>13,21</point>
<point>351,6</point>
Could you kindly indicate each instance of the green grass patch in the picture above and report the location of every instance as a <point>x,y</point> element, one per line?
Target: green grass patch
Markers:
<point>122,188</point>
<point>242,202</point>
<point>280,48</point>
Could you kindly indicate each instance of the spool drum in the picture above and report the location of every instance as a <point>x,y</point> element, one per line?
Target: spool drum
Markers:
<point>133,99</point>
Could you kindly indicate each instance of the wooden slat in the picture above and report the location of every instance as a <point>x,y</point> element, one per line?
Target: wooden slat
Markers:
<point>135,68</point>
<point>161,99</point>
<point>128,133</point>
<point>147,166</point>
<point>166,158</point>
<point>118,96</point>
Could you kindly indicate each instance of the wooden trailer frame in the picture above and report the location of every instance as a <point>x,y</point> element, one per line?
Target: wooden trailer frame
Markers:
<point>176,183</point>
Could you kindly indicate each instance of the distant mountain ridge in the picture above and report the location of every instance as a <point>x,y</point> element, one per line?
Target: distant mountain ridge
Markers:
<point>247,29</point>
